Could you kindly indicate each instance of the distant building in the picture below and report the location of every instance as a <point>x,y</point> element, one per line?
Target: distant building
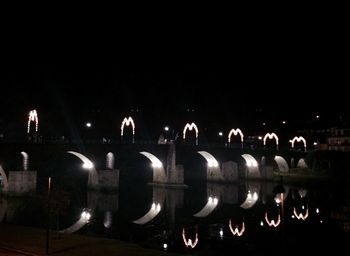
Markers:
<point>339,139</point>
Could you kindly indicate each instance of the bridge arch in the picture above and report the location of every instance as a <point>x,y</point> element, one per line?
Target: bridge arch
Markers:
<point>4,179</point>
<point>282,164</point>
<point>302,163</point>
<point>213,167</point>
<point>87,164</point>
<point>159,175</point>
<point>252,166</point>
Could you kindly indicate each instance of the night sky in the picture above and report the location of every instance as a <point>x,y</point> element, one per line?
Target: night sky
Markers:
<point>217,95</point>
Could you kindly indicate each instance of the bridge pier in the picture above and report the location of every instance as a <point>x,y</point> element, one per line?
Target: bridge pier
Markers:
<point>21,182</point>
<point>108,179</point>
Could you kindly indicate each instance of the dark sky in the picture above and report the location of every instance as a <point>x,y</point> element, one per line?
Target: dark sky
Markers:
<point>292,79</point>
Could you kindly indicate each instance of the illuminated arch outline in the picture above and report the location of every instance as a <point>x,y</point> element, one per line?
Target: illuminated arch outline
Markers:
<point>190,127</point>
<point>128,121</point>
<point>301,216</point>
<point>271,136</point>
<point>298,139</point>
<point>235,132</point>
<point>33,117</point>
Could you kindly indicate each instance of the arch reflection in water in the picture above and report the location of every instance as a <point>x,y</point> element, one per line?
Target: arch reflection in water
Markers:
<point>84,219</point>
<point>150,215</point>
<point>301,216</point>
<point>208,208</point>
<point>108,220</point>
<point>188,242</point>
<point>273,223</point>
<point>235,231</point>
<point>252,197</point>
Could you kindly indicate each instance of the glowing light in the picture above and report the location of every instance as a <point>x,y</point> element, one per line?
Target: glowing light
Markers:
<point>317,210</point>
<point>235,132</point>
<point>236,231</point>
<point>85,215</point>
<point>190,127</point>
<point>284,122</point>
<point>317,117</point>
<point>220,134</point>
<point>88,165</point>
<point>165,246</point>
<point>315,143</point>
<point>188,242</point>
<point>156,163</point>
<point>270,136</point>
<point>277,200</point>
<point>301,216</point>
<point>252,163</point>
<point>166,128</point>
<point>25,160</point>
<point>88,124</point>
<point>33,117</point>
<point>298,139</point>
<point>128,121</point>
<point>221,233</point>
<point>260,138</point>
<point>208,208</point>
<point>211,161</point>
<point>273,223</point>
<point>261,223</point>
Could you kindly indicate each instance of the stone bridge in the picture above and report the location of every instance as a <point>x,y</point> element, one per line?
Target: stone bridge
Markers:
<point>21,165</point>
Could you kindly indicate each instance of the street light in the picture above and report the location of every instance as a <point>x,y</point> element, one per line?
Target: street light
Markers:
<point>88,125</point>
<point>166,128</point>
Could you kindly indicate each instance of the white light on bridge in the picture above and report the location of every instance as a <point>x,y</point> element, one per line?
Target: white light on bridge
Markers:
<point>317,210</point>
<point>317,117</point>
<point>273,223</point>
<point>221,233</point>
<point>252,163</point>
<point>33,117</point>
<point>157,164</point>
<point>284,122</point>
<point>315,143</point>
<point>166,128</point>
<point>260,138</point>
<point>88,125</point>
<point>220,134</point>
<point>213,163</point>
<point>165,246</point>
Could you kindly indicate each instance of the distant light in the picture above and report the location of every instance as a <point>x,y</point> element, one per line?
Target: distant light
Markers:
<point>88,124</point>
<point>259,138</point>
<point>315,143</point>
<point>317,210</point>
<point>236,231</point>
<point>220,134</point>
<point>221,232</point>
<point>264,124</point>
<point>317,117</point>
<point>284,122</point>
<point>165,246</point>
<point>166,128</point>
<point>261,223</point>
<point>321,221</point>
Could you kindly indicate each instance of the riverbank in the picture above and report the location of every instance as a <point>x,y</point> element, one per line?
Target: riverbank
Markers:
<point>32,241</point>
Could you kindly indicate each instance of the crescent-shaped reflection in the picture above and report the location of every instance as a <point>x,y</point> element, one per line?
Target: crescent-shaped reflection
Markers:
<point>208,208</point>
<point>150,215</point>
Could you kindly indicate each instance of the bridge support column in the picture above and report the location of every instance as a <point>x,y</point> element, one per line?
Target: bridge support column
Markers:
<point>108,179</point>
<point>267,172</point>
<point>230,171</point>
<point>21,182</point>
